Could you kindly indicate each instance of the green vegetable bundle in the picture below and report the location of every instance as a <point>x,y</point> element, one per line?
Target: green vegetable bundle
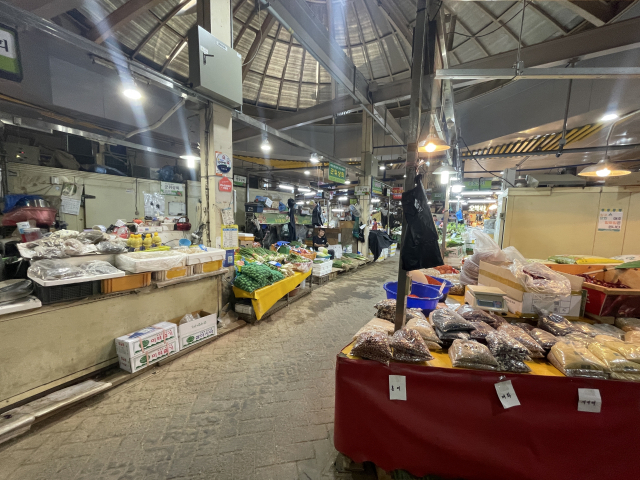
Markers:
<point>255,276</point>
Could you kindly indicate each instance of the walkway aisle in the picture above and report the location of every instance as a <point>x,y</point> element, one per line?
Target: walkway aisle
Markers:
<point>256,404</point>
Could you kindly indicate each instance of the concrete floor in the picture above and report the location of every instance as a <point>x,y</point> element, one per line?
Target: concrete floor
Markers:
<point>255,404</point>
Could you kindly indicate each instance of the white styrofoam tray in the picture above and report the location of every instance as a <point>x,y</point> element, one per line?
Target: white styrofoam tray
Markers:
<point>67,281</point>
<point>27,303</point>
<point>138,262</point>
<point>210,255</point>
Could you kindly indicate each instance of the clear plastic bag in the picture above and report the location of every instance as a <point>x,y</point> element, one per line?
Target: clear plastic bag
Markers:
<point>585,328</point>
<point>474,314</point>
<point>575,361</point>
<point>614,361</point>
<point>501,344</point>
<point>189,318</point>
<point>555,324</point>
<point>74,247</point>
<point>632,336</point>
<point>481,330</point>
<point>630,351</point>
<point>91,237</point>
<point>415,313</point>
<point>111,246</point>
<point>628,324</point>
<point>386,309</point>
<point>373,346</point>
<point>484,249</point>
<point>98,267</point>
<point>524,326</point>
<point>627,377</point>
<point>545,339</point>
<point>513,255</point>
<point>408,346</point>
<point>377,324</point>
<point>447,320</point>
<point>579,339</point>
<point>536,351</point>
<point>470,354</point>
<point>424,328</point>
<point>511,364</point>
<point>538,278</point>
<point>610,330</point>
<point>54,270</point>
<point>452,335</point>
<point>14,289</point>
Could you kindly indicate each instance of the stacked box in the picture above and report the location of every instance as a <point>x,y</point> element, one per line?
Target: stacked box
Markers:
<point>198,330</point>
<point>147,346</point>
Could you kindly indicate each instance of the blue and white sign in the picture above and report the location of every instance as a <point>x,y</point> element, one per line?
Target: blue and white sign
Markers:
<point>223,163</point>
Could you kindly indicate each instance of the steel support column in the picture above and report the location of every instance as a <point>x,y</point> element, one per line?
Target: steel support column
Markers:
<point>419,49</point>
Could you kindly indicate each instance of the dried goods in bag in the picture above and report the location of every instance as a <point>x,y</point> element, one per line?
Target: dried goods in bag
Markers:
<point>408,346</point>
<point>585,328</point>
<point>377,324</point>
<point>481,330</point>
<point>475,314</point>
<point>604,329</point>
<point>576,361</point>
<point>470,354</point>
<point>538,278</point>
<point>415,313</point>
<point>628,324</point>
<point>501,344</point>
<point>632,337</point>
<point>536,351</point>
<point>452,335</point>
<point>630,351</point>
<point>614,361</point>
<point>545,339</point>
<point>580,339</point>
<point>386,309</point>
<point>524,326</point>
<point>424,329</point>
<point>446,320</point>
<point>372,345</point>
<point>627,377</point>
<point>555,324</point>
<point>510,364</point>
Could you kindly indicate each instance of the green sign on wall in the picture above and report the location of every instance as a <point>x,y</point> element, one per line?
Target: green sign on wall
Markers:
<point>337,173</point>
<point>10,66</point>
<point>376,187</point>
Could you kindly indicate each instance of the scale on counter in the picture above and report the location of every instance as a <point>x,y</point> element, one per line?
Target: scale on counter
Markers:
<point>491,299</point>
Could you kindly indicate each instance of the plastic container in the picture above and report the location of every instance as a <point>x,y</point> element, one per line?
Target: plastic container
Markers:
<point>427,302</point>
<point>43,216</point>
<point>128,282</point>
<point>435,281</point>
<point>31,235</point>
<point>177,272</point>
<point>66,293</point>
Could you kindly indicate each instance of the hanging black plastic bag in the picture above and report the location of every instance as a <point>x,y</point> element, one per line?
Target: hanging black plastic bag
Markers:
<point>292,220</point>
<point>420,247</point>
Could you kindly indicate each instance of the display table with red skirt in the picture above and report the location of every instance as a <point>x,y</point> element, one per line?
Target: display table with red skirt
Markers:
<point>454,425</point>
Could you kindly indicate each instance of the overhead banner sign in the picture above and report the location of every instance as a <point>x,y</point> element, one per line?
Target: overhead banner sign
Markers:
<point>239,181</point>
<point>362,189</point>
<point>376,187</point>
<point>173,189</point>
<point>337,173</point>
<point>10,65</point>
<point>396,193</point>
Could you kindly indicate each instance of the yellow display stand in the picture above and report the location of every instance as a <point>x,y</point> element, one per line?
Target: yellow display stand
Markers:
<point>265,298</point>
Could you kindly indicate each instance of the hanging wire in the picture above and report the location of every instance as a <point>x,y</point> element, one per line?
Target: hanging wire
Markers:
<point>492,31</point>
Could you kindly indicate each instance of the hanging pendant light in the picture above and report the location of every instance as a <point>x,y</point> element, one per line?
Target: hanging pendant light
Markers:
<point>433,144</point>
<point>604,168</point>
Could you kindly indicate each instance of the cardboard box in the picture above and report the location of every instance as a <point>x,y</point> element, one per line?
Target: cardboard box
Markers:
<point>246,243</point>
<point>521,303</point>
<point>600,300</point>
<point>193,332</point>
<point>337,250</point>
<point>347,224</point>
<point>170,330</point>
<point>137,342</point>
<point>138,362</point>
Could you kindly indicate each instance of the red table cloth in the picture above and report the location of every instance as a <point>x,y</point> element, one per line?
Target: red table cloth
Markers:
<point>453,424</point>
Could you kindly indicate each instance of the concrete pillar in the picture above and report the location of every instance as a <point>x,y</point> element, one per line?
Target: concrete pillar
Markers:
<point>215,129</point>
<point>369,165</point>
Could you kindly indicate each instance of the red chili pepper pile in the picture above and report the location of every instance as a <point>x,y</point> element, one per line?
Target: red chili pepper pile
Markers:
<point>602,283</point>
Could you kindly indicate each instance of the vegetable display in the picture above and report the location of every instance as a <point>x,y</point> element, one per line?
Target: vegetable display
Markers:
<point>255,276</point>
<point>260,267</point>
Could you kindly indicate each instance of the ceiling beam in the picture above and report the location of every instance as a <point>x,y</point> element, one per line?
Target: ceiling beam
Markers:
<point>497,20</point>
<point>592,73</point>
<point>156,29</point>
<point>541,13</point>
<point>266,27</point>
<point>596,13</point>
<point>250,18</point>
<point>119,17</point>
<point>51,8</point>
<point>314,37</point>
<point>399,21</point>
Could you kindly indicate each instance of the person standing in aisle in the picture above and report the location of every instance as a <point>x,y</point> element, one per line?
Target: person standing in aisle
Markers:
<point>320,241</point>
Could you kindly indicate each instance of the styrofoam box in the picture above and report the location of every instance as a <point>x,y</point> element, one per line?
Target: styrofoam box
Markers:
<point>193,332</point>
<point>139,262</point>
<point>68,281</point>
<point>320,269</point>
<point>137,342</point>
<point>204,256</point>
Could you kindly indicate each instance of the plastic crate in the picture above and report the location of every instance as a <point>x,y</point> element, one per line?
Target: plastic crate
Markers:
<point>128,282</point>
<point>66,293</point>
<point>207,267</point>
<point>176,272</point>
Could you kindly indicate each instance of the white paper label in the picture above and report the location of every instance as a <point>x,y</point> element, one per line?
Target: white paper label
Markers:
<point>589,400</point>
<point>507,394</point>
<point>268,202</point>
<point>204,50</point>
<point>222,45</point>
<point>397,387</point>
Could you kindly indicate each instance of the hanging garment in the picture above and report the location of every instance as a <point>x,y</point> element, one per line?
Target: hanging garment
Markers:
<point>292,220</point>
<point>379,239</point>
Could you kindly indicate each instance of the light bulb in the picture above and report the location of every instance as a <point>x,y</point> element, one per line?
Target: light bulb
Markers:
<point>132,93</point>
<point>191,160</point>
<point>444,178</point>
<point>605,172</point>
<point>608,117</point>
<point>381,167</point>
<point>314,158</point>
<point>265,146</point>
<point>430,147</point>
<point>307,172</point>
<point>457,188</point>
<point>347,181</point>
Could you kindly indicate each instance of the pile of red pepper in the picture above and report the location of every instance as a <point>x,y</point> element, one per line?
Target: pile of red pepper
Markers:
<point>602,283</point>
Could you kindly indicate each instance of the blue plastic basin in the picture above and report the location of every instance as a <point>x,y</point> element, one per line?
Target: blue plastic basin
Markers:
<point>428,295</point>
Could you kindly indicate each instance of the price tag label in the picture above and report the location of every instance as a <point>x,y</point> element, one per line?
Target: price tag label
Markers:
<point>397,387</point>
<point>589,400</point>
<point>507,394</point>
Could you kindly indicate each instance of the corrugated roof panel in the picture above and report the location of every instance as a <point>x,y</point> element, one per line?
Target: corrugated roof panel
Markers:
<point>99,9</point>
<point>250,86</point>
<point>310,69</point>
<point>561,14</point>
<point>274,29</point>
<point>407,9</point>
<point>358,60</point>
<point>260,60</point>
<point>324,75</point>
<point>245,11</point>
<point>160,46</point>
<point>324,92</point>
<point>183,23</point>
<point>308,95</point>
<point>294,64</point>
<point>269,92</point>
<point>132,33</point>
<point>289,96</point>
<point>365,21</point>
<point>278,59</point>
<point>394,55</point>
<point>258,18</point>
<point>165,7</point>
<point>180,64</point>
<point>378,65</point>
<point>284,35</point>
<point>352,28</point>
